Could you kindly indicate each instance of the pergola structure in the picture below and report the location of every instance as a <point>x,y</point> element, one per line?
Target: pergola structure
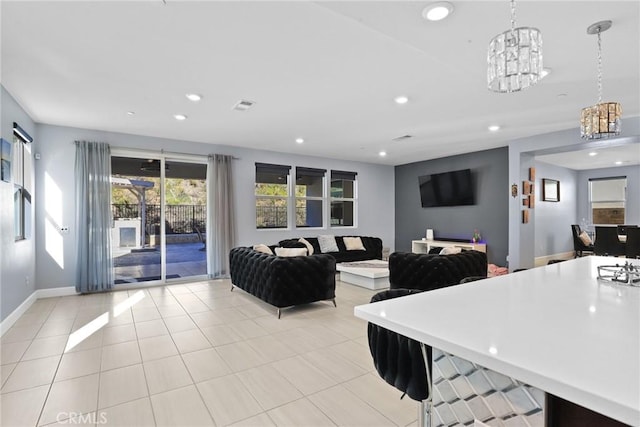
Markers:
<point>138,188</point>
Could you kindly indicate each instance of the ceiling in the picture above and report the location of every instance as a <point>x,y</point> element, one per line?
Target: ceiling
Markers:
<point>327,72</point>
<point>607,157</point>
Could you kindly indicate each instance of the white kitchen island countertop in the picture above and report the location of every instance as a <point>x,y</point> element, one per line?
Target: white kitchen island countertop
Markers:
<point>556,328</point>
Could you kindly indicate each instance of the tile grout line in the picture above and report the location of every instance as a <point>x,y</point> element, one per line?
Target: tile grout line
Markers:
<point>144,373</point>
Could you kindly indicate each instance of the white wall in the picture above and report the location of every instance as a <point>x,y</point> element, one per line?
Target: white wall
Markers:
<point>55,175</point>
<point>553,219</point>
<point>17,259</point>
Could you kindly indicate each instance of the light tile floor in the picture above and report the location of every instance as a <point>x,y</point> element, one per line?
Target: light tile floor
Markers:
<point>194,354</point>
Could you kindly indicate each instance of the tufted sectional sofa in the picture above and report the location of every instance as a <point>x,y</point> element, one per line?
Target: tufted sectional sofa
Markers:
<point>428,272</point>
<point>372,246</point>
<point>283,281</point>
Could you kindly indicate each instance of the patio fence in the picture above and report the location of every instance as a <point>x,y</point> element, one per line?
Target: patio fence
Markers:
<point>180,219</point>
<point>276,216</point>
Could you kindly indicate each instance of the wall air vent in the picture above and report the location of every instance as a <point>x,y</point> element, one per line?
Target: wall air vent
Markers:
<point>243,105</point>
<point>401,138</point>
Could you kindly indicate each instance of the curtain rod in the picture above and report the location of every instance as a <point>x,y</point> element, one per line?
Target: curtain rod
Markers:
<point>161,151</point>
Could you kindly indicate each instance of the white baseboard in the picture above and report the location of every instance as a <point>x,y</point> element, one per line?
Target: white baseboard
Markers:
<point>36,295</point>
<point>15,314</point>
<point>56,292</point>
<point>543,260</point>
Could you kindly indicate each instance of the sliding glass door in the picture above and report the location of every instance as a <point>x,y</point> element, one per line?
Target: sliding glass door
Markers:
<point>185,207</point>
<point>159,217</point>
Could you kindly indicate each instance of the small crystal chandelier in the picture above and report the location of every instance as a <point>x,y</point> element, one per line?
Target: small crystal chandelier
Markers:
<point>515,58</point>
<point>603,119</point>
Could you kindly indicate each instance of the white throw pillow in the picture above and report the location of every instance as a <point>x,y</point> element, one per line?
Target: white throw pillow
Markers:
<point>353,244</point>
<point>288,252</point>
<point>450,250</point>
<point>307,244</point>
<point>328,243</point>
<point>585,238</point>
<point>263,249</point>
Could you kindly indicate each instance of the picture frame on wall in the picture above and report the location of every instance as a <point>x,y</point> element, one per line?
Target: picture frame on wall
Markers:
<point>550,190</point>
<point>525,202</point>
<point>5,160</point>
<point>526,187</point>
<point>532,200</point>
<point>532,174</point>
<point>525,216</point>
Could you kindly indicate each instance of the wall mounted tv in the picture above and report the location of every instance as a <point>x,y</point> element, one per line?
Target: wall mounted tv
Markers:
<point>447,189</point>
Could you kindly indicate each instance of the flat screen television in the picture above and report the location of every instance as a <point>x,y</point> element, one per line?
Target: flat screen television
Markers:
<point>447,189</point>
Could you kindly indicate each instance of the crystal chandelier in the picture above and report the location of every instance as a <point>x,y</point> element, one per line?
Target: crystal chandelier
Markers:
<point>515,58</point>
<point>603,119</point>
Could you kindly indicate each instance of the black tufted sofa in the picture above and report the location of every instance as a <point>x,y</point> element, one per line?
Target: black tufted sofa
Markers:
<point>372,245</point>
<point>283,281</point>
<point>427,272</point>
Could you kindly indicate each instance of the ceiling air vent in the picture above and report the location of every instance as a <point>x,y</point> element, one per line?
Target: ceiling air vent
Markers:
<point>243,105</point>
<point>401,138</point>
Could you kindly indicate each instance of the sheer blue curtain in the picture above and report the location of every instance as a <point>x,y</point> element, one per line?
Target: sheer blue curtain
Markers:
<point>93,217</point>
<point>221,233</point>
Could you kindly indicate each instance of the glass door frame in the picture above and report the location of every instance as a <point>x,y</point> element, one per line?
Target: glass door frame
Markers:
<point>162,156</point>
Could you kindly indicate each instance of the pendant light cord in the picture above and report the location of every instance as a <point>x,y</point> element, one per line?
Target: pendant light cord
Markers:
<point>513,15</point>
<point>599,67</point>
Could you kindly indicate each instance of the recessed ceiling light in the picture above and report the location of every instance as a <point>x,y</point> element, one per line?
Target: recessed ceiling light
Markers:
<point>593,153</point>
<point>299,140</point>
<point>494,128</point>
<point>619,162</point>
<point>131,113</point>
<point>193,97</point>
<point>382,153</point>
<point>401,99</point>
<point>180,117</point>
<point>437,11</point>
<point>545,72</point>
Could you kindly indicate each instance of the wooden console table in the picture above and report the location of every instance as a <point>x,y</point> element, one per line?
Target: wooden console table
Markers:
<point>423,246</point>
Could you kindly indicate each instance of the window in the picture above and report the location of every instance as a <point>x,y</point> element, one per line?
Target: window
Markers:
<point>343,198</point>
<point>22,185</point>
<point>608,199</point>
<point>309,197</point>
<point>272,195</point>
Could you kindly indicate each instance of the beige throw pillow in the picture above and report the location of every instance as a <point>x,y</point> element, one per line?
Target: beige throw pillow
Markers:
<point>307,244</point>
<point>353,244</point>
<point>263,249</point>
<point>328,243</point>
<point>585,238</point>
<point>289,252</point>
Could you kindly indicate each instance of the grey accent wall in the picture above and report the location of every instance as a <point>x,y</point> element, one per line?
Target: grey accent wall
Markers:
<point>633,191</point>
<point>489,215</point>
<point>553,219</point>
<point>17,259</point>
<point>55,174</point>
